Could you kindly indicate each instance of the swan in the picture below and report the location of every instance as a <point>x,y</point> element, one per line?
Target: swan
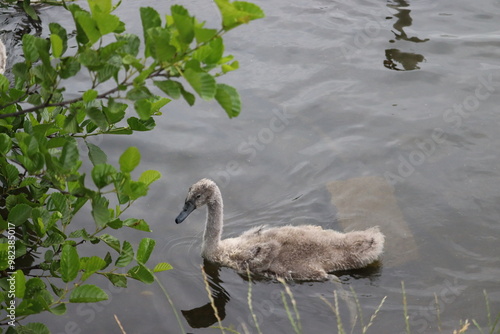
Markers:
<point>304,252</point>
<point>3,57</point>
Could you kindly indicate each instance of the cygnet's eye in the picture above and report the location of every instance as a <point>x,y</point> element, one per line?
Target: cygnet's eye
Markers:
<point>198,196</point>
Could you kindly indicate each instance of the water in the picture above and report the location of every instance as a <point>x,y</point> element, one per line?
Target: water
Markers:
<point>399,92</point>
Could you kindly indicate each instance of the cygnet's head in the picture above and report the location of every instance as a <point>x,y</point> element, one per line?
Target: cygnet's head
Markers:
<point>199,194</point>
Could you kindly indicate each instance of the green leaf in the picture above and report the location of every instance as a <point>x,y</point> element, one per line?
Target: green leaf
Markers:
<point>33,327</point>
<point>69,67</point>
<point>129,159</point>
<point>103,174</point>
<point>60,309</point>
<point>139,125</point>
<point>126,255</point>
<point>115,111</point>
<point>149,176</point>
<point>159,43</point>
<point>141,273</point>
<point>20,285</point>
<point>29,48</point>
<point>204,35</point>
<point>237,13</point>
<point>58,291</point>
<point>70,263</point>
<point>145,249</point>
<point>12,174</point>
<point>28,9</point>
<point>150,19</point>
<point>53,238</point>
<point>203,83</point>
<point>19,214</point>
<point>210,53</point>
<point>132,44</point>
<point>138,224</point>
<point>162,267</point>
<point>107,23</point>
<point>143,108</point>
<point>184,24</point>
<point>135,189</point>
<point>170,87</point>
<point>59,202</point>
<point>89,95</point>
<point>96,155</point>
<point>88,25</point>
<point>138,93</point>
<point>57,45</point>
<point>27,143</point>
<point>87,294</point>
<point>69,155</point>
<point>100,211</point>
<point>100,6</point>
<point>58,39</point>
<point>4,83</point>
<point>117,280</point>
<point>230,67</point>
<point>111,241</point>
<point>98,117</point>
<point>229,99</point>
<point>90,265</point>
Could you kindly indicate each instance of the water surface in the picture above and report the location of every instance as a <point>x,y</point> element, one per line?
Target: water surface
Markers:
<point>403,91</point>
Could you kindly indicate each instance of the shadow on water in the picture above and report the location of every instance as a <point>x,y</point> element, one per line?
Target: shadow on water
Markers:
<point>395,57</point>
<point>204,316</point>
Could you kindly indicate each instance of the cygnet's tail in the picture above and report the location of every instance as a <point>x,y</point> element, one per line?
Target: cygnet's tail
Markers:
<point>356,250</point>
<point>364,246</point>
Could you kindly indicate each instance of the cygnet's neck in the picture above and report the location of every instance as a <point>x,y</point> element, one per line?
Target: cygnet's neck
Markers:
<point>213,227</point>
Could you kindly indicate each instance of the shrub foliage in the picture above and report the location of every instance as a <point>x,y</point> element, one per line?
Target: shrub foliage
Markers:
<point>42,126</point>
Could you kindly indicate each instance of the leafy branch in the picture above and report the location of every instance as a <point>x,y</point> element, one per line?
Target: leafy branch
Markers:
<point>42,124</point>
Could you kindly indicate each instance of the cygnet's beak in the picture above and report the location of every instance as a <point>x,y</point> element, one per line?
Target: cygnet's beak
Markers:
<point>188,208</point>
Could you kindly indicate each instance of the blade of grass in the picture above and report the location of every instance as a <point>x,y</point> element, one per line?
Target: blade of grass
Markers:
<point>477,325</point>
<point>438,311</point>
<point>464,327</point>
<point>212,301</point>
<point>295,322</point>
<point>119,324</point>
<point>488,311</point>
<point>171,304</point>
<point>374,315</point>
<point>405,308</point>
<point>335,310</point>
<point>358,307</point>
<point>254,317</point>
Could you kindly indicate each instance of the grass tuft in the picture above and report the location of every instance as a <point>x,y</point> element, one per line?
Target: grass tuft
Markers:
<point>294,321</point>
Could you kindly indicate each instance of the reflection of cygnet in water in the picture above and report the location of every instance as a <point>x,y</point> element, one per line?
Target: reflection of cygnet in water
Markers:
<point>3,57</point>
<point>304,252</point>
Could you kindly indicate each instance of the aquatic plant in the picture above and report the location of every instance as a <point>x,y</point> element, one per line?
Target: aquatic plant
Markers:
<point>43,128</point>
